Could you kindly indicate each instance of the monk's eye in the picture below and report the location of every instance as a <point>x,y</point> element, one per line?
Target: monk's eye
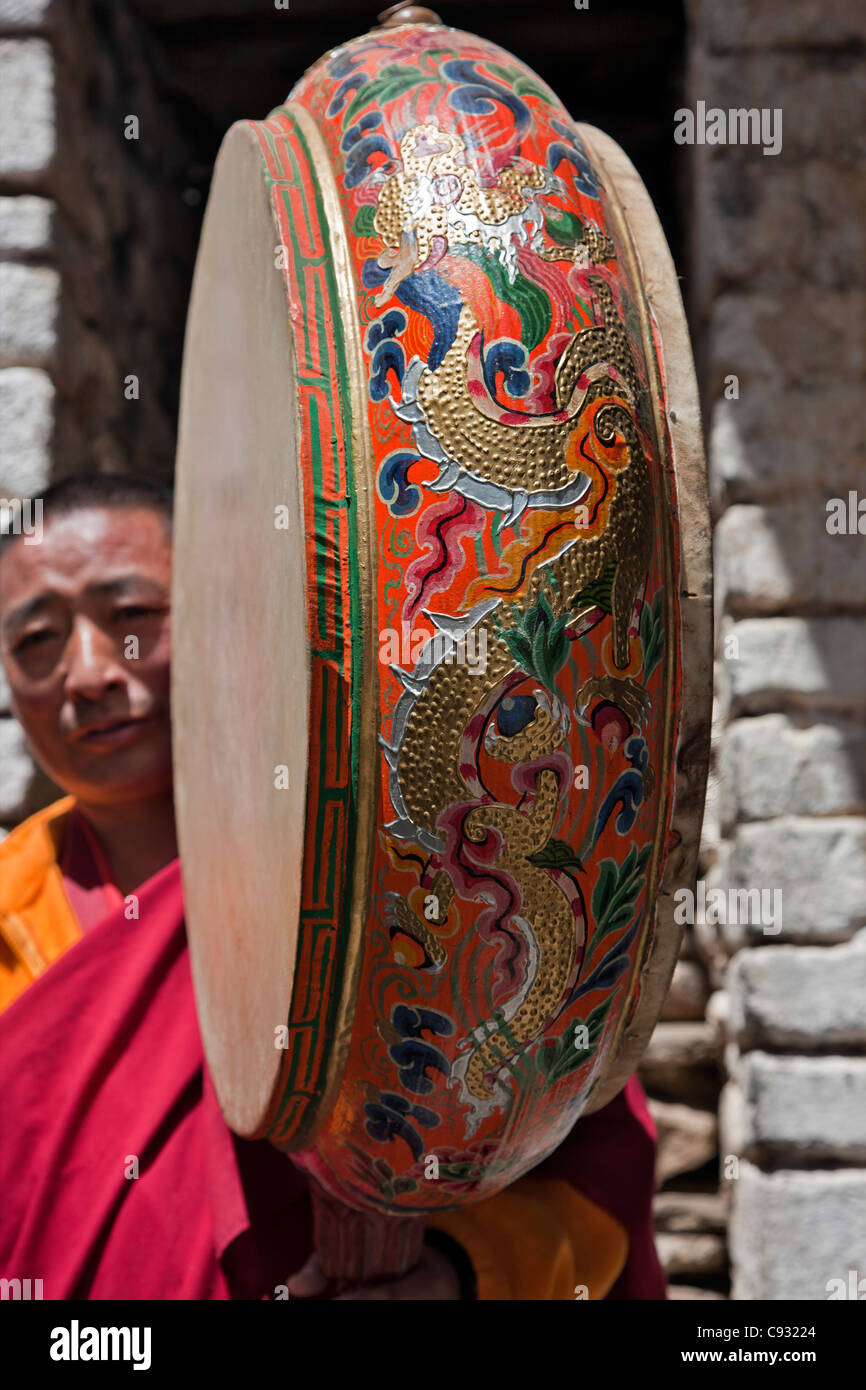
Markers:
<point>514,713</point>
<point>131,611</point>
<point>34,639</point>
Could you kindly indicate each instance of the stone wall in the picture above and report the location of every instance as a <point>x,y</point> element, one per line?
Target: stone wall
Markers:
<point>29,308</point>
<point>97,240</point>
<point>778,257</point>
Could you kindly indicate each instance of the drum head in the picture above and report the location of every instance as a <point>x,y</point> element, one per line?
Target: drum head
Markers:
<point>442,672</point>
<point>240,672</point>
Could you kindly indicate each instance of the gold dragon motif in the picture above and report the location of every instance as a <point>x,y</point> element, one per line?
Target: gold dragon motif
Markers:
<point>474,436</point>
<point>435,201</point>
<point>435,160</point>
<point>533,455</point>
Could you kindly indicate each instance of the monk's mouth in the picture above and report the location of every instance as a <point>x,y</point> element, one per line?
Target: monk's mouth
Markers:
<point>114,734</point>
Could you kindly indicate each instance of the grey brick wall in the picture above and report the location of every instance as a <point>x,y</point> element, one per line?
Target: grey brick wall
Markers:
<point>778,247</point>
<point>29,311</point>
<point>95,257</point>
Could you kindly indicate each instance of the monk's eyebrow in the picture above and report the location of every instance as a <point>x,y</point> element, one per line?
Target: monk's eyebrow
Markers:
<point>127,584</point>
<point>17,617</point>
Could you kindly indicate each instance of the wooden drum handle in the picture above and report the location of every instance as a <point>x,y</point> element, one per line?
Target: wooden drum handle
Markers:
<point>363,1247</point>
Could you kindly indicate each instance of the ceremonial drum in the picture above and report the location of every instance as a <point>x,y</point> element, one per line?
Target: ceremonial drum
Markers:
<point>442,666</point>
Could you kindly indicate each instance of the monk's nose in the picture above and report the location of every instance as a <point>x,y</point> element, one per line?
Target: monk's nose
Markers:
<point>92,663</point>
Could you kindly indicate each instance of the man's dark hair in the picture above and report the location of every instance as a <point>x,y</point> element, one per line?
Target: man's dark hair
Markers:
<point>99,490</point>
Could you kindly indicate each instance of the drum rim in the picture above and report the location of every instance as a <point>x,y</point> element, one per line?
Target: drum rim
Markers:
<point>337,1054</point>
<point>679,438</point>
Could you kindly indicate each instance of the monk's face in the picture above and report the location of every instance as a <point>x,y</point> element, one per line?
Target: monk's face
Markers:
<point>84,637</point>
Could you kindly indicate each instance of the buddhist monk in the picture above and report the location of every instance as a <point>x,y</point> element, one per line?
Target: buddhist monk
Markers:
<point>120,1178</point>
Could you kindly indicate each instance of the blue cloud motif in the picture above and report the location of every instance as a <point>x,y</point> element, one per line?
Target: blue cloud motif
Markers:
<point>627,791</point>
<point>390,325</point>
<point>510,358</point>
<point>344,65</point>
<point>388,355</point>
<point>412,1059</point>
<point>371,121</point>
<point>389,1119</point>
<point>413,1055</point>
<point>343,62</point>
<point>359,144</point>
<point>351,84</point>
<point>476,94</point>
<point>571,149</point>
<point>358,159</point>
<point>412,1020</point>
<point>637,752</point>
<point>401,497</point>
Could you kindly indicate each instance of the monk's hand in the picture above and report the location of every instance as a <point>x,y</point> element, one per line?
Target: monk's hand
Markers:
<point>433,1277</point>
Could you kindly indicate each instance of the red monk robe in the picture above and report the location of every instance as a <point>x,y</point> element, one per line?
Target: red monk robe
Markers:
<point>102,1076</point>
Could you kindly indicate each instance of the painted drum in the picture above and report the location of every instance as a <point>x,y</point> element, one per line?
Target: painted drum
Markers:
<point>442,621</point>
